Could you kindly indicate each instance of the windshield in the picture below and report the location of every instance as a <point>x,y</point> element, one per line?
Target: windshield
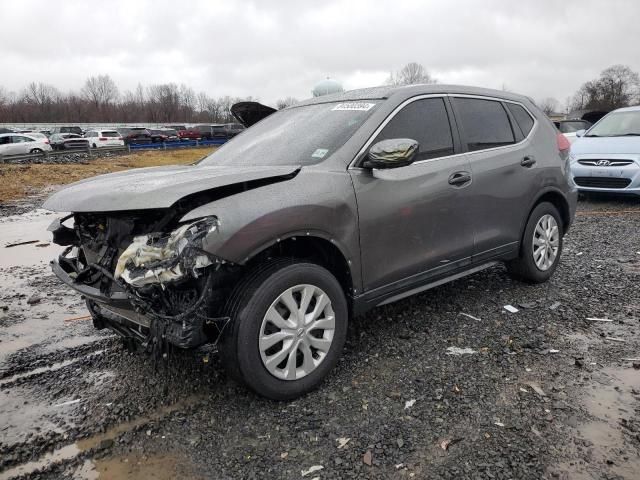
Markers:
<point>296,136</point>
<point>617,125</point>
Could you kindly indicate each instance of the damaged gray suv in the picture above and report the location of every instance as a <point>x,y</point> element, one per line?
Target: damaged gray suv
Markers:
<point>315,214</point>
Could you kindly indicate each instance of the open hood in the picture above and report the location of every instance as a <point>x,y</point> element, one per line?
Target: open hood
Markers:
<point>249,113</point>
<point>156,187</point>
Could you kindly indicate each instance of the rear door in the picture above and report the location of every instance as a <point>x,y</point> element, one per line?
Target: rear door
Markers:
<point>504,171</point>
<point>414,223</point>
<point>20,144</point>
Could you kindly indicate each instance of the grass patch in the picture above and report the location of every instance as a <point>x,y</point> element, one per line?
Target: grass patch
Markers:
<point>18,181</point>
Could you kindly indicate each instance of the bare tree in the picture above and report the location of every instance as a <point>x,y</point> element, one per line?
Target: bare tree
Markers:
<point>101,91</point>
<point>412,73</point>
<point>618,86</point>
<point>286,102</point>
<point>548,105</point>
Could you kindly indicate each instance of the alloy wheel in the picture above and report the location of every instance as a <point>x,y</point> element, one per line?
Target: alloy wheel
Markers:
<point>296,332</point>
<point>546,242</point>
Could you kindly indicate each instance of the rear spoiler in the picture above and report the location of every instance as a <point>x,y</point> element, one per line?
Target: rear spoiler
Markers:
<point>249,113</point>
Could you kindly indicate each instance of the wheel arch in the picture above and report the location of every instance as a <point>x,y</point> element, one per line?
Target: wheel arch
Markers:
<point>558,200</point>
<point>316,247</point>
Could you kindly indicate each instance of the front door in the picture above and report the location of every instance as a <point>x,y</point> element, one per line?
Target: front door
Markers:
<point>414,221</point>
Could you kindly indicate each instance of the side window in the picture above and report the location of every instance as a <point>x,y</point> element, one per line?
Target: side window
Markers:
<point>523,119</point>
<point>20,139</point>
<point>5,140</point>
<point>425,121</point>
<point>484,122</point>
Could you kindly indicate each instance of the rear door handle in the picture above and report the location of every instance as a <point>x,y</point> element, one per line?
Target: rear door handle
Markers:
<point>458,179</point>
<point>528,161</point>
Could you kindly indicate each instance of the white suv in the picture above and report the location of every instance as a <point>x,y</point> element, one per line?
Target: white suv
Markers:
<point>104,138</point>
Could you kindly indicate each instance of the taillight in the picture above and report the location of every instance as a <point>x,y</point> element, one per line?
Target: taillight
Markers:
<point>46,142</point>
<point>563,144</point>
<point>103,139</point>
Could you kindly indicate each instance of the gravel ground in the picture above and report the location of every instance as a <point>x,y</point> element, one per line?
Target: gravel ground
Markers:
<point>542,393</point>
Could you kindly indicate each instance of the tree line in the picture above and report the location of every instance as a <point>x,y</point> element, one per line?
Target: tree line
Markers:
<point>100,100</point>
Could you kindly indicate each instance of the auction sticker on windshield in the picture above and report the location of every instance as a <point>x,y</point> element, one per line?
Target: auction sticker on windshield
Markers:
<point>361,107</point>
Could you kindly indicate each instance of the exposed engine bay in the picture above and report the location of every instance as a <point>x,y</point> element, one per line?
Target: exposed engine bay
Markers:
<point>145,276</point>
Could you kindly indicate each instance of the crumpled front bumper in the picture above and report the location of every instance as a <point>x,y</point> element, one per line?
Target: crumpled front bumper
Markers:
<point>116,312</point>
<point>117,299</point>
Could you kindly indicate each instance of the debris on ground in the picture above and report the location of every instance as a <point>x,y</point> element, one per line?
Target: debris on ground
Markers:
<point>367,458</point>
<point>511,308</point>
<point>312,469</point>
<point>17,244</point>
<point>594,319</point>
<point>409,403</point>
<point>554,305</point>
<point>536,388</point>
<point>449,442</point>
<point>342,442</point>
<point>470,316</point>
<point>460,351</point>
<point>33,299</point>
<point>615,339</point>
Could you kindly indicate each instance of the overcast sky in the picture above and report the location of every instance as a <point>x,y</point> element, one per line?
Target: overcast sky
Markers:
<point>274,49</point>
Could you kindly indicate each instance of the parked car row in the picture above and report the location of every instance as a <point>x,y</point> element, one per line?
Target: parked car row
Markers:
<point>74,137</point>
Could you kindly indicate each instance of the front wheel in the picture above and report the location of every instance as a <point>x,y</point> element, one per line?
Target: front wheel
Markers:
<point>289,324</point>
<point>541,246</point>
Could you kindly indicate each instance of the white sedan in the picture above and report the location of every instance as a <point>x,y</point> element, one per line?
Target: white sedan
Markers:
<point>21,143</point>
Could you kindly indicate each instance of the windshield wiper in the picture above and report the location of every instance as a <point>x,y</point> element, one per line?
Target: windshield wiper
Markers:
<point>629,135</point>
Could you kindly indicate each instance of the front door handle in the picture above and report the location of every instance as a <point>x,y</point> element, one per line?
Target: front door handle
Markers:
<point>528,161</point>
<point>459,179</point>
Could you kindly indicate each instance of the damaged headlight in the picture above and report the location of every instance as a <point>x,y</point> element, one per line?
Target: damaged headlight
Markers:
<point>158,258</point>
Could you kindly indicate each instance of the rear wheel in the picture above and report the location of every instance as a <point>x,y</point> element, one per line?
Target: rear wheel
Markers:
<point>541,246</point>
<point>94,146</point>
<point>35,150</point>
<point>289,324</point>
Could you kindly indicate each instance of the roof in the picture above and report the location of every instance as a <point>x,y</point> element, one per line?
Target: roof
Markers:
<point>384,92</point>
<point>628,109</point>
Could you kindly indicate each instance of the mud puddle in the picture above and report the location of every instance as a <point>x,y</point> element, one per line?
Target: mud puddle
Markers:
<point>132,467</point>
<point>114,467</point>
<point>34,303</point>
<point>608,436</point>
<point>30,227</point>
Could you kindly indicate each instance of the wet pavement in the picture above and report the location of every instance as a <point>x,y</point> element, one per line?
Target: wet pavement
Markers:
<point>540,393</point>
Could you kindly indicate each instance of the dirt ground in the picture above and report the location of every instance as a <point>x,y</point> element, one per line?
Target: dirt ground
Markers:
<point>542,393</point>
<point>18,181</point>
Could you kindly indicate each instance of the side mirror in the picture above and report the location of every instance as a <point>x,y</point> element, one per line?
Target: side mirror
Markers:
<point>580,133</point>
<point>394,153</point>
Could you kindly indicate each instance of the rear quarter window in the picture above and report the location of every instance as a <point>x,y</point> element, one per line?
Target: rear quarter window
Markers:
<point>523,119</point>
<point>485,123</point>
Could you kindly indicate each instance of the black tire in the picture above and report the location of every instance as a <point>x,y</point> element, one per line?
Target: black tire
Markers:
<point>94,146</point>
<point>35,150</point>
<point>247,306</point>
<point>524,267</point>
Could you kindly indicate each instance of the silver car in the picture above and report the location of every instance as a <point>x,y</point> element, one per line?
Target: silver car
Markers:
<point>606,158</point>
